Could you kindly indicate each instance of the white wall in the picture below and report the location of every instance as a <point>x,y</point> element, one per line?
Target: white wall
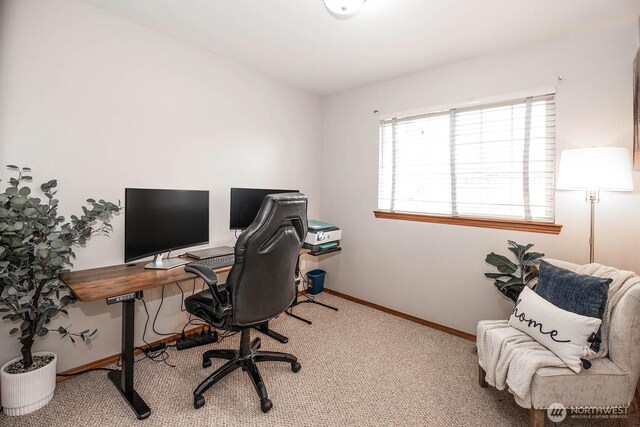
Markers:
<point>435,271</point>
<point>102,104</point>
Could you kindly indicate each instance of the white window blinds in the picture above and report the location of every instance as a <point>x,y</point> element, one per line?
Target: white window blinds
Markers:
<point>494,161</point>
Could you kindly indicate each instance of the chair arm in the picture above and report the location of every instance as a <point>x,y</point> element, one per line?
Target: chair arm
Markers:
<point>205,273</point>
<point>211,279</point>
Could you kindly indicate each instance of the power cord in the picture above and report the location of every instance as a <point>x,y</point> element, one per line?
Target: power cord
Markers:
<point>160,355</point>
<point>155,318</point>
<point>190,321</point>
<point>305,286</point>
<point>182,306</point>
<point>158,352</point>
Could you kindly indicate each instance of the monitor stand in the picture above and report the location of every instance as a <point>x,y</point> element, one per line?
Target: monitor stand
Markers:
<point>164,264</point>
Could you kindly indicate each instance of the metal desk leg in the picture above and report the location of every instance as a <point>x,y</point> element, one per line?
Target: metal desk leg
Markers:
<point>264,328</point>
<point>123,379</point>
<point>296,301</point>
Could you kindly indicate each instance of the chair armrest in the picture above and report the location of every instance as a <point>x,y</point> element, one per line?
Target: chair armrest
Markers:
<point>211,279</point>
<point>205,273</point>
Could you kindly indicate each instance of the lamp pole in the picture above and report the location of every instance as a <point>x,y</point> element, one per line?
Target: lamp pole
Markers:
<point>593,197</point>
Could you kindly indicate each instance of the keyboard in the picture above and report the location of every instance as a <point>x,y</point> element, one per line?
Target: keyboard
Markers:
<point>216,262</point>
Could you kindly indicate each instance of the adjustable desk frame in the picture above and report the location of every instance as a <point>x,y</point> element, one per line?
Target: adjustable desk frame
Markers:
<point>296,302</point>
<point>123,379</point>
<point>125,284</point>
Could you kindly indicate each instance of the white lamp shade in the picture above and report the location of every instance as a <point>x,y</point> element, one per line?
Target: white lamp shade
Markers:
<point>343,9</point>
<point>595,168</point>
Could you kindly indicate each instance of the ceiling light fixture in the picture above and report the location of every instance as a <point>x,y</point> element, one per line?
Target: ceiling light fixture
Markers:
<point>343,9</point>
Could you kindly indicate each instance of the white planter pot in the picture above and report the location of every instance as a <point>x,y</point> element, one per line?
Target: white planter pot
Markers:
<point>30,391</point>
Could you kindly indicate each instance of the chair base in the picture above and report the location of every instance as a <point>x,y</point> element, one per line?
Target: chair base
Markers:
<point>536,416</point>
<point>246,358</point>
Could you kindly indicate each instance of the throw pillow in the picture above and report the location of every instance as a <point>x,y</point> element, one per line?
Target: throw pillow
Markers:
<point>578,293</point>
<point>564,333</point>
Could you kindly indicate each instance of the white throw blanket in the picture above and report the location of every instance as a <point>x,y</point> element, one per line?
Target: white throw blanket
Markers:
<point>511,358</point>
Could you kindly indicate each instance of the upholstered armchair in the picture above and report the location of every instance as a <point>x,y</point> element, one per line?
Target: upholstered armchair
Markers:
<point>610,382</point>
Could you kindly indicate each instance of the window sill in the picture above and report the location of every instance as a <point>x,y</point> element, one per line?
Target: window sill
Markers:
<point>502,224</point>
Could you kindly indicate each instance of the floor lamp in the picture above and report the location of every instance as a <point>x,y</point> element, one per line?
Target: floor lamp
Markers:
<point>593,170</point>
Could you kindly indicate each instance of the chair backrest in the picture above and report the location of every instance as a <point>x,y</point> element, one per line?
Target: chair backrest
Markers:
<point>624,329</point>
<point>624,337</point>
<point>262,279</point>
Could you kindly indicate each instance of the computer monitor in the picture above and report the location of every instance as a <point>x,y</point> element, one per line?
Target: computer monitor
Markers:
<point>158,221</point>
<point>245,204</point>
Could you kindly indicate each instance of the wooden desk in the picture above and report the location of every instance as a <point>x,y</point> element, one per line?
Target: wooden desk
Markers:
<point>105,282</point>
<point>125,284</point>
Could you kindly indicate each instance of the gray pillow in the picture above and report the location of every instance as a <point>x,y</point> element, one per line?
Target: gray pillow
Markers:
<point>579,293</point>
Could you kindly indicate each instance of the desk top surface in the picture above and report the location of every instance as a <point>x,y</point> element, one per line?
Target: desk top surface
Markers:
<point>104,282</point>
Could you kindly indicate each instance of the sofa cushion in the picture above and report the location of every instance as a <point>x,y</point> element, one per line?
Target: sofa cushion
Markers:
<point>564,333</point>
<point>577,293</point>
<point>602,385</point>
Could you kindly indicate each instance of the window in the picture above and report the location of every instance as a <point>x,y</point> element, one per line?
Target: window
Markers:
<point>493,161</point>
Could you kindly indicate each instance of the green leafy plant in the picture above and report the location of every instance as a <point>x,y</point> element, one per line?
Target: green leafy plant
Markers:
<point>511,277</point>
<point>37,245</point>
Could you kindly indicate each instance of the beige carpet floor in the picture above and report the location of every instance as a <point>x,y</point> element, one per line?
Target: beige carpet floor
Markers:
<point>360,367</point>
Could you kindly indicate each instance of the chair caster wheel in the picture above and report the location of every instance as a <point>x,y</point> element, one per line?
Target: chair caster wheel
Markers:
<point>295,367</point>
<point>206,363</point>
<point>198,401</point>
<point>266,405</point>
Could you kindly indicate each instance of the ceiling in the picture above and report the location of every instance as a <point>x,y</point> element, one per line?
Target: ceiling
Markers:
<point>298,42</point>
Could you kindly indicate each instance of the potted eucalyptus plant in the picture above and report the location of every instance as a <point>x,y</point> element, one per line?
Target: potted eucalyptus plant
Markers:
<point>37,245</point>
<point>512,277</point>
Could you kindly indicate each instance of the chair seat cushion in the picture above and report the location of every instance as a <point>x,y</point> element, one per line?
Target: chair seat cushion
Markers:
<point>203,305</point>
<point>602,385</point>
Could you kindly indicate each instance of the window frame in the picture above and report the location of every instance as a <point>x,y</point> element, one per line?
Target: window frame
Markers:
<point>550,227</point>
<point>501,224</point>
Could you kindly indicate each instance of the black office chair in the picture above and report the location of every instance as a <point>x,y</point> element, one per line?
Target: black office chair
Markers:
<point>260,286</point>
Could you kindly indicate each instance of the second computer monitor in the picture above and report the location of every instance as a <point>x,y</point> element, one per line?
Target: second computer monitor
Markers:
<point>245,204</point>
